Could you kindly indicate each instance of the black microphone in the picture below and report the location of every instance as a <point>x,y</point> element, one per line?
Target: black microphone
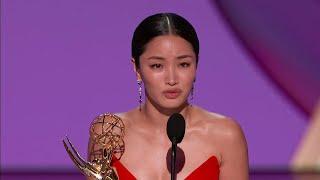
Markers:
<point>176,126</point>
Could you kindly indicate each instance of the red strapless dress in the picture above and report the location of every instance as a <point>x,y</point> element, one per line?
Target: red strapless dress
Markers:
<point>207,170</point>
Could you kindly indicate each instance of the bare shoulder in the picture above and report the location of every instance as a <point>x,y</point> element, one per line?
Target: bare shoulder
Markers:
<point>221,126</point>
<point>129,117</point>
<point>227,136</point>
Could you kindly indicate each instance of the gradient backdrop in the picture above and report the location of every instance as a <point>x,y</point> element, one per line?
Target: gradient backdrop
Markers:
<point>63,62</point>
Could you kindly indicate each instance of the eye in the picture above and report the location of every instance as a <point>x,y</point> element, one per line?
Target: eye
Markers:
<point>184,64</point>
<point>156,66</point>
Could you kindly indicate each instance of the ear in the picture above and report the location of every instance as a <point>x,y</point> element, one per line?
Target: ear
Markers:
<point>137,71</point>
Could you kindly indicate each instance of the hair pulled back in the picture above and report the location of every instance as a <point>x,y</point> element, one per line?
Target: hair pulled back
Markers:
<point>162,24</point>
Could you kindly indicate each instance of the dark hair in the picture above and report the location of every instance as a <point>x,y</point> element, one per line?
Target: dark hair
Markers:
<point>162,24</point>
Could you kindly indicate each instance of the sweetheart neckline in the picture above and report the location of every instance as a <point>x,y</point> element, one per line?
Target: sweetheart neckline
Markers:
<point>190,174</point>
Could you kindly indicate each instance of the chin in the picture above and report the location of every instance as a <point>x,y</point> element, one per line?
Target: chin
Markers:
<point>168,104</point>
<point>173,104</point>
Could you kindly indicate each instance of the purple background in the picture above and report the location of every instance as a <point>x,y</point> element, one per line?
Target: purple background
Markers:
<point>63,62</point>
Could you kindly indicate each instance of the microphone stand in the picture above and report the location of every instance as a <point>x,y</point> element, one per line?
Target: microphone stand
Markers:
<point>173,159</point>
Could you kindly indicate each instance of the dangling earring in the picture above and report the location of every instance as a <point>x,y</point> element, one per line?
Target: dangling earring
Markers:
<point>192,93</point>
<point>140,93</point>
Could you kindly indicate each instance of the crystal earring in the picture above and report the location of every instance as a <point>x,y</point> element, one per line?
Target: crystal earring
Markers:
<point>140,93</point>
<point>192,93</point>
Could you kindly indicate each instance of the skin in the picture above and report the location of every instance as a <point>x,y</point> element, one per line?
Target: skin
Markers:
<point>167,63</point>
<point>307,155</point>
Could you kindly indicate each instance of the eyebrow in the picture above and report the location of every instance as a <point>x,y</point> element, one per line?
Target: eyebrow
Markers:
<point>156,57</point>
<point>161,58</point>
<point>184,56</point>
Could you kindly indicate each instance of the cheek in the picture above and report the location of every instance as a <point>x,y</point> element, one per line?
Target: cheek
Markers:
<point>151,80</point>
<point>188,82</point>
<point>188,78</point>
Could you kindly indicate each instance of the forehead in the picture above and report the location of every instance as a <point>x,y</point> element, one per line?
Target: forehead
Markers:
<point>168,44</point>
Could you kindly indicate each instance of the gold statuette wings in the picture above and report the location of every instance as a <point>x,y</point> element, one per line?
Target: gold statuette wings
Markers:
<point>105,143</point>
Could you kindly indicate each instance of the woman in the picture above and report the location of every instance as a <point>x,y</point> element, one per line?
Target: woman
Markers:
<point>165,50</point>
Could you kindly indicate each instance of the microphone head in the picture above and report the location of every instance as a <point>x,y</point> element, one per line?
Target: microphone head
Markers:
<point>176,126</point>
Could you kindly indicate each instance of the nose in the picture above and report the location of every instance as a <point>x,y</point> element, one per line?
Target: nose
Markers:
<point>172,77</point>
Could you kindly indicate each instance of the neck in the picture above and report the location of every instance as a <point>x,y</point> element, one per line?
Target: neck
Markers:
<point>157,117</point>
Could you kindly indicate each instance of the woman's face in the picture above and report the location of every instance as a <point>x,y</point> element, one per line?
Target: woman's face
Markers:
<point>168,70</point>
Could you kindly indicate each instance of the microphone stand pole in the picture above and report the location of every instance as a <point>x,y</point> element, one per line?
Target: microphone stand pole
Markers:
<point>173,160</point>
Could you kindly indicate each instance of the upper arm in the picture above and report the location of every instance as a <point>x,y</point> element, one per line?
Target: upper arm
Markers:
<point>234,163</point>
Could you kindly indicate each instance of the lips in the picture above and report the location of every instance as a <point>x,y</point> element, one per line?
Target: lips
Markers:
<point>172,94</point>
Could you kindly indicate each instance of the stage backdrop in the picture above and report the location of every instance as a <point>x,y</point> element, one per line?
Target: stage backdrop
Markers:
<point>65,62</point>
